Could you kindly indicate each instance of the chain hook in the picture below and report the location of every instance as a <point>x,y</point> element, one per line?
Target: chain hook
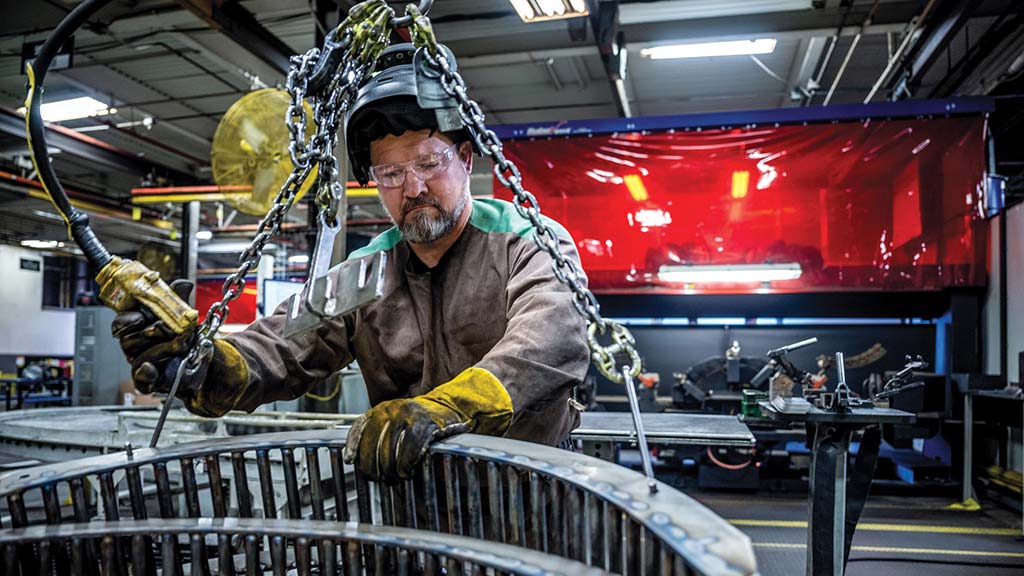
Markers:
<point>407,20</point>
<point>605,357</point>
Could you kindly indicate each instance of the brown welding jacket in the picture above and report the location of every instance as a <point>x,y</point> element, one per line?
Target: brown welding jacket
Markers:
<point>492,302</point>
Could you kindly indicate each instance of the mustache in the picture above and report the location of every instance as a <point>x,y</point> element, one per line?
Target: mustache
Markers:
<point>418,202</point>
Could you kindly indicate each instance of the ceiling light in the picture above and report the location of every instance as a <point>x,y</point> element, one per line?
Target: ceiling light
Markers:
<point>146,122</point>
<point>234,248</point>
<point>299,259</point>
<point>669,10</point>
<point>204,235</point>
<point>709,49</point>
<point>541,10</point>
<point>84,107</point>
<point>730,273</point>
<point>42,244</point>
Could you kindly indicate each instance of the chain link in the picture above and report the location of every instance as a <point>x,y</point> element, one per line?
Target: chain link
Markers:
<point>363,37</point>
<point>564,269</point>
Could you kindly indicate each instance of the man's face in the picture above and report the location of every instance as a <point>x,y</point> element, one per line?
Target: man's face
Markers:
<point>424,210</point>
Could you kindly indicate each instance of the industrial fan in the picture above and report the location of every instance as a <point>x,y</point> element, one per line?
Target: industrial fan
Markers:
<point>159,258</point>
<point>249,156</point>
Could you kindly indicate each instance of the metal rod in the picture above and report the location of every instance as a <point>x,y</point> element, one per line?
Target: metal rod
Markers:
<point>135,493</point>
<point>200,562</point>
<point>410,500</point>
<point>268,504</point>
<point>533,535</point>
<point>516,507</point>
<point>252,555</point>
<point>302,559</point>
<point>430,494</point>
<point>163,490</point>
<point>575,520</point>
<point>338,483</point>
<point>109,495</point>
<point>291,483</point>
<point>241,482</point>
<point>915,23</point>
<point>495,503</point>
<point>474,499</point>
<point>634,407</point>
<point>278,554</point>
<point>317,498</point>
<point>842,69</point>
<point>220,508</point>
<point>589,525</point>
<point>52,507</point>
<point>188,482</point>
<point>225,559</point>
<point>363,499</point>
<point>555,529</point>
<point>171,558</point>
<point>166,409</point>
<point>139,548</point>
<point>453,495</point>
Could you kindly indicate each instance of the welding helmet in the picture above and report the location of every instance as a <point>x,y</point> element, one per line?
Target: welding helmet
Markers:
<point>404,93</point>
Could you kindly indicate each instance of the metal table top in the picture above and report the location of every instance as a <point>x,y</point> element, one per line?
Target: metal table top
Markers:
<point>853,416</point>
<point>670,428</point>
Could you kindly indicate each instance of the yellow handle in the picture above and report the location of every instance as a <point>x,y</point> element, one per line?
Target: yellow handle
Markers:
<point>128,284</point>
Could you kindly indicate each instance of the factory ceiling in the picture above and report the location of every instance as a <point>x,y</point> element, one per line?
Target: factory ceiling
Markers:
<point>171,70</point>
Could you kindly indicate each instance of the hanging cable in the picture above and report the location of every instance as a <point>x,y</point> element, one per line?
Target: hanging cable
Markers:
<point>77,222</point>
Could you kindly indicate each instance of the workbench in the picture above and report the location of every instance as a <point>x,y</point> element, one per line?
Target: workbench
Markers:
<point>601,432</point>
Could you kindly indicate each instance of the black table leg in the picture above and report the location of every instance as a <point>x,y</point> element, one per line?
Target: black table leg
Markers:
<point>826,530</point>
<point>860,482</point>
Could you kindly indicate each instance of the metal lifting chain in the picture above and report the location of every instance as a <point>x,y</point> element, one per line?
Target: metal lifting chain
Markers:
<point>363,36</point>
<point>564,269</point>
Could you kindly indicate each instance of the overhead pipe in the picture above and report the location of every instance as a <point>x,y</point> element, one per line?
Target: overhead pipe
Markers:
<point>834,40</point>
<point>849,53</point>
<point>915,23</point>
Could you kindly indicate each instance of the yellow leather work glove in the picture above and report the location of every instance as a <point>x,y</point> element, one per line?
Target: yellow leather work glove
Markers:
<point>389,440</point>
<point>155,352</point>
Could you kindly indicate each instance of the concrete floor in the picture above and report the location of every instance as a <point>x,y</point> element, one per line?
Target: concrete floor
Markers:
<point>897,535</point>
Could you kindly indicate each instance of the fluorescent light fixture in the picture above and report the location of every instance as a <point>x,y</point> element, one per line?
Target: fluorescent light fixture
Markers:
<point>729,273</point>
<point>299,259</point>
<point>204,235</point>
<point>42,244</point>
<point>233,248</point>
<point>84,107</point>
<point>710,49</point>
<point>542,10</point>
<point>669,10</point>
<point>146,122</point>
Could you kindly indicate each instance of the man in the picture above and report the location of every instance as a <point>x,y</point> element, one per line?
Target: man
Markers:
<point>474,333</point>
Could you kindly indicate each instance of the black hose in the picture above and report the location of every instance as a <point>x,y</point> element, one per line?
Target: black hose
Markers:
<point>77,222</point>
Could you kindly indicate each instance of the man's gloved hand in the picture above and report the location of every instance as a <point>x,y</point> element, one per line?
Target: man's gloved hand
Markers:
<point>155,353</point>
<point>389,440</point>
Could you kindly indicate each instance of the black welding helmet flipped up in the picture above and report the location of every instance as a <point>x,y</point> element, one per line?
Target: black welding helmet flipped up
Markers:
<point>403,94</point>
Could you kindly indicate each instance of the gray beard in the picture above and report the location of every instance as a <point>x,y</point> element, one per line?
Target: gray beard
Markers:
<point>423,227</point>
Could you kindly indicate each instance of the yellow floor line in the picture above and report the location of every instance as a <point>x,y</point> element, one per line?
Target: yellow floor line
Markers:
<point>894,550</point>
<point>879,527</point>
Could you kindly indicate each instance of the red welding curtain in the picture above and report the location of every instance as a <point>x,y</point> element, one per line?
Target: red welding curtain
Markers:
<point>876,205</point>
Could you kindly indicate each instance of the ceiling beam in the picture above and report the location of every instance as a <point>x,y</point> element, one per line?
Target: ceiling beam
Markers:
<point>91,149</point>
<point>945,23</point>
<point>238,24</point>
